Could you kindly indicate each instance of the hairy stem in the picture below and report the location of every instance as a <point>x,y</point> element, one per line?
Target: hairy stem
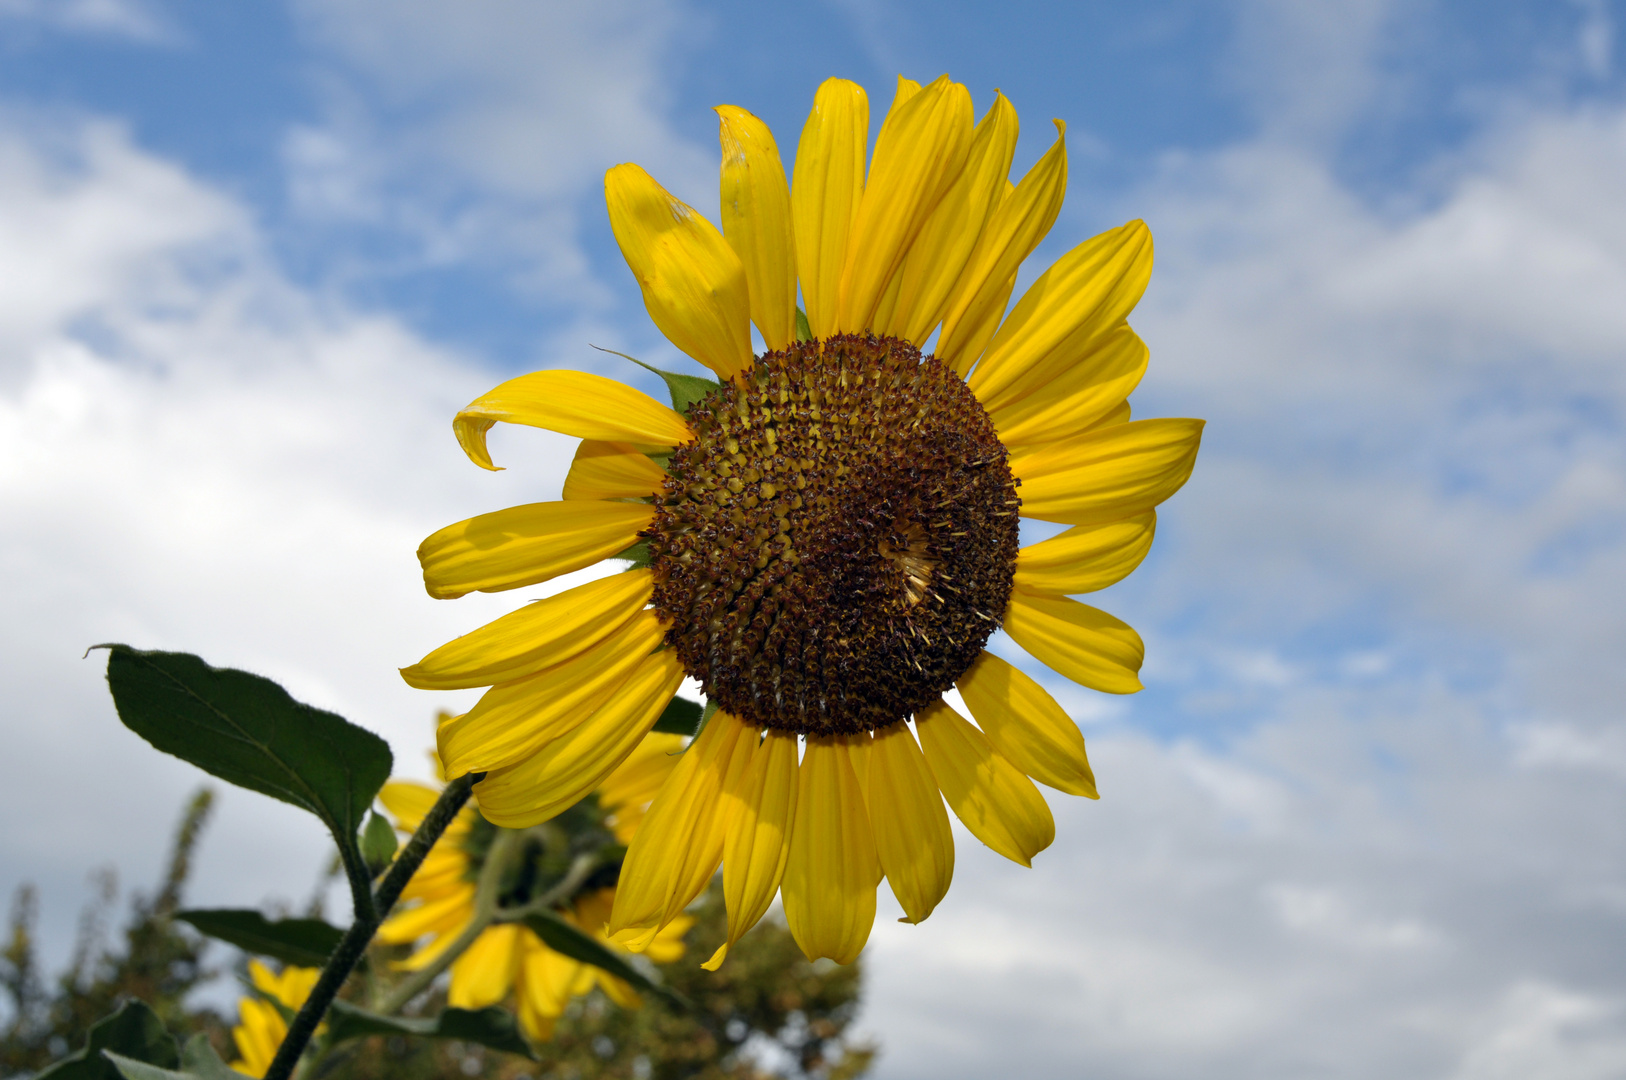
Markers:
<point>354,943</point>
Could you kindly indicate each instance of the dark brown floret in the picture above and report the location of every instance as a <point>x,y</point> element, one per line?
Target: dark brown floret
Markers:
<point>837,543</point>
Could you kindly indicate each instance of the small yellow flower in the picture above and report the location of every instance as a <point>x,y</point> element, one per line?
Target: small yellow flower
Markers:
<point>439,902</point>
<point>261,1027</point>
<point>832,531</point>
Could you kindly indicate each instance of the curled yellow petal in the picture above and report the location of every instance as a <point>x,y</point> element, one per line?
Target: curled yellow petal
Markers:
<point>1081,642</point>
<point>512,720</point>
<point>757,221</point>
<point>1027,726</point>
<point>1067,395</point>
<point>563,771</point>
<point>538,635</point>
<point>681,841</point>
<point>1022,219</point>
<point>832,872</point>
<point>575,403</point>
<point>919,153</point>
<point>939,255</point>
<point>1107,473</point>
<point>693,283</point>
<point>827,186</point>
<point>611,470</point>
<point>524,545</point>
<point>1087,557</point>
<point>758,842</point>
<point>991,797</point>
<point>1087,293</point>
<point>912,837</point>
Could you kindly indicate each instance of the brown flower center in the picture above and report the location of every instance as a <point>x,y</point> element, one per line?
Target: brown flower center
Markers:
<point>837,543</point>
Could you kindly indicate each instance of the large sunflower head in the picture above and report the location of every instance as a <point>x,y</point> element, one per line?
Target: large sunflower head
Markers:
<point>827,536</point>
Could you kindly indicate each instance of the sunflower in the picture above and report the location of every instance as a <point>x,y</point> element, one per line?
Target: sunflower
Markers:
<point>261,1027</point>
<point>827,537</point>
<point>440,900</point>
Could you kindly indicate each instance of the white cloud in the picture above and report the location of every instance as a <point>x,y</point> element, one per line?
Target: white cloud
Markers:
<point>196,455</point>
<point>130,19</point>
<point>486,137</point>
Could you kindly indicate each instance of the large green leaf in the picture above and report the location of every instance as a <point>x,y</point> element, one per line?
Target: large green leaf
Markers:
<point>685,389</point>
<point>562,937</point>
<point>247,730</point>
<point>134,1032</point>
<point>198,1062</point>
<point>301,942</point>
<point>492,1026</point>
<point>681,717</point>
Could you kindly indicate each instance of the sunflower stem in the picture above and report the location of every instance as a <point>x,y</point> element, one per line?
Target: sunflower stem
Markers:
<point>368,917</point>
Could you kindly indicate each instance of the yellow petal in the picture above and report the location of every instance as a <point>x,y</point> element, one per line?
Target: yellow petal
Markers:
<point>449,912</point>
<point>407,802</point>
<point>1087,293</point>
<point>1027,726</point>
<point>1061,400</point>
<point>559,774</point>
<point>258,1036</point>
<point>991,797</point>
<point>524,545</point>
<point>681,841</point>
<point>757,221</point>
<point>512,720</point>
<point>905,89</point>
<point>886,310</point>
<point>758,842</point>
<point>575,403</point>
<point>543,986</point>
<point>1107,473</point>
<point>1086,557</point>
<point>912,837</point>
<point>628,791</point>
<point>832,872</point>
<point>483,974</point>
<point>939,255</point>
<point>1081,642</point>
<point>611,470</point>
<point>824,197</point>
<point>919,153</point>
<point>693,283</point>
<point>1021,220</point>
<point>537,636</point>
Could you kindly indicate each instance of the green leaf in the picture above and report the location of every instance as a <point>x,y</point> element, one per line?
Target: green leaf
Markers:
<point>491,1026</point>
<point>134,1032</point>
<point>564,938</point>
<point>705,717</point>
<point>685,389</point>
<point>682,717</point>
<point>637,555</point>
<point>301,942</point>
<point>248,731</point>
<point>378,843</point>
<point>804,330</point>
<point>198,1062</point>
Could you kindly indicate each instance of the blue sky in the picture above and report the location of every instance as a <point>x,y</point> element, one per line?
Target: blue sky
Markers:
<point>1364,820</point>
